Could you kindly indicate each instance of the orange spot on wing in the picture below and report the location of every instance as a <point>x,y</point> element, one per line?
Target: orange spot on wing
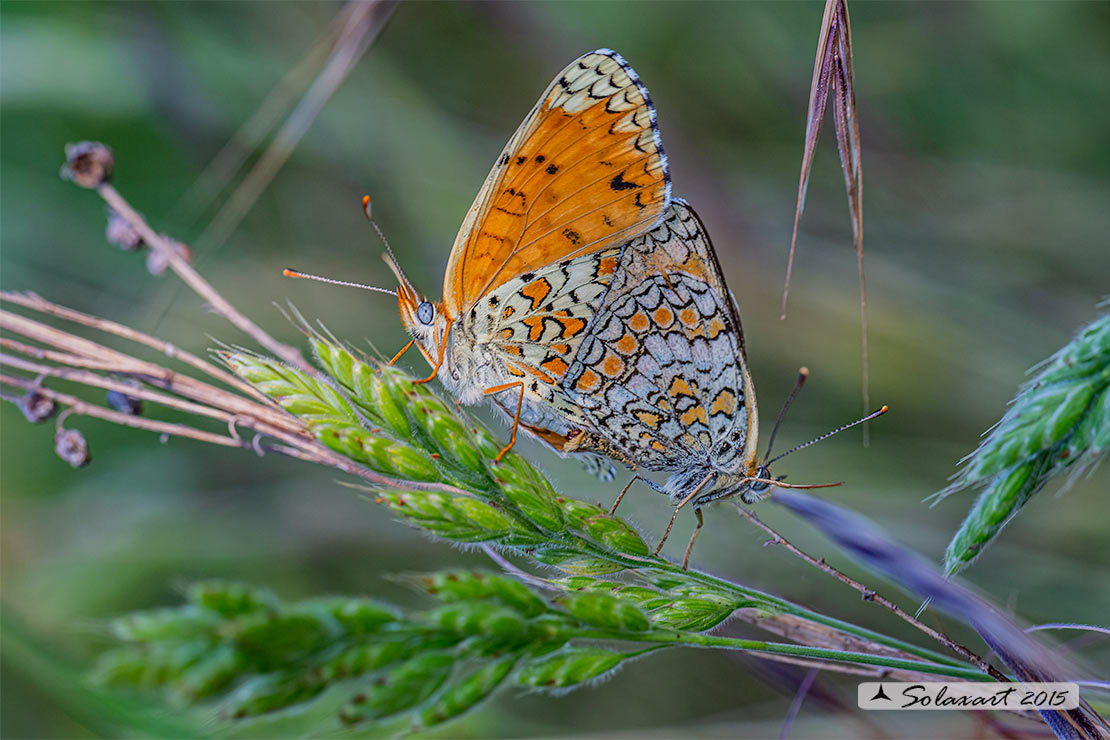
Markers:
<point>663,316</point>
<point>555,365</point>
<point>561,348</point>
<point>537,291</point>
<point>688,317</point>
<point>544,377</point>
<point>607,266</point>
<point>572,327</point>
<point>508,312</point>
<point>612,365</point>
<point>512,349</point>
<point>679,387</point>
<point>627,344</point>
<point>716,326</point>
<point>693,414</point>
<point>505,334</point>
<point>535,327</point>
<point>724,403</point>
<point>648,418</point>
<point>588,381</point>
<point>639,322</point>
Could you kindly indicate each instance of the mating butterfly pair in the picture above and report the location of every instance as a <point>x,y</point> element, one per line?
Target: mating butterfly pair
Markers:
<point>590,304</point>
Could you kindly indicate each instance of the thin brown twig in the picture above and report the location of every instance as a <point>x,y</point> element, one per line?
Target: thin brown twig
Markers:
<point>66,358</point>
<point>38,303</point>
<point>873,596</point>
<point>199,285</point>
<point>96,356</point>
<point>363,23</point>
<point>892,674</point>
<point>83,408</point>
<point>85,377</point>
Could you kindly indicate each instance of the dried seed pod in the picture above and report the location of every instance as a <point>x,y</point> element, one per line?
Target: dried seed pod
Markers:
<point>124,403</point>
<point>36,407</point>
<point>157,260</point>
<point>121,233</point>
<point>71,446</point>
<point>88,163</point>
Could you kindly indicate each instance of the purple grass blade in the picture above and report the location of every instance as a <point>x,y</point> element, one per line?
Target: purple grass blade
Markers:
<point>1028,659</point>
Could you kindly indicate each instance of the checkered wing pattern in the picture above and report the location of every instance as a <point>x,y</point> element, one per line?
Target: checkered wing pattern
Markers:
<point>661,377</point>
<point>536,322</point>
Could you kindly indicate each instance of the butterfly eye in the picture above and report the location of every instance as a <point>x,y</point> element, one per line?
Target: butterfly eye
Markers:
<point>425,313</point>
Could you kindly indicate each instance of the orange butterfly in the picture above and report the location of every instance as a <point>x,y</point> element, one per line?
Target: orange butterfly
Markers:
<point>583,175</point>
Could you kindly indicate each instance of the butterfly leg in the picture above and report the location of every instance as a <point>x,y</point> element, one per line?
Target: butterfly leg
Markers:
<point>624,490</point>
<point>690,547</point>
<point>689,497</point>
<point>647,481</point>
<point>439,360</point>
<point>403,351</point>
<point>516,417</point>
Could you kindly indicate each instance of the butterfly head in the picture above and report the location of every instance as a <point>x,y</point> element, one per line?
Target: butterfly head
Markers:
<point>425,320</point>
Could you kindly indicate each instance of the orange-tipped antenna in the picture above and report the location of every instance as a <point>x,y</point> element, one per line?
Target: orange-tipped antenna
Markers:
<point>803,373</point>
<point>869,417</point>
<point>369,213</point>
<point>305,276</point>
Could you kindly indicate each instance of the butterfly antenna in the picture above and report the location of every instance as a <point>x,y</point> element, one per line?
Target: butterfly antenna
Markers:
<point>869,417</point>
<point>803,373</point>
<point>306,276</point>
<point>368,212</point>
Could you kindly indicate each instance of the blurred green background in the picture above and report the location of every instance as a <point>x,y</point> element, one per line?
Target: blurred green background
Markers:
<point>986,145</point>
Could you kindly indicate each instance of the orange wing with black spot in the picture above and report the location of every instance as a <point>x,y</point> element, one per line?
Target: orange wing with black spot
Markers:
<point>584,172</point>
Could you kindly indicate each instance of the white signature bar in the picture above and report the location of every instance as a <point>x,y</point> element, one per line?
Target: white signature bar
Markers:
<point>968,695</point>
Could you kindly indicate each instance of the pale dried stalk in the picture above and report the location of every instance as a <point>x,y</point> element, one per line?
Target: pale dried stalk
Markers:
<point>92,355</point>
<point>250,133</point>
<point>85,377</point>
<point>82,354</point>
<point>40,304</point>
<point>873,596</point>
<point>199,285</point>
<point>84,408</point>
<point>363,21</point>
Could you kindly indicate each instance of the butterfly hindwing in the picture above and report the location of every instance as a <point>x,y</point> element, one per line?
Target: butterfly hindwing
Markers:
<point>662,375</point>
<point>535,322</point>
<point>585,172</point>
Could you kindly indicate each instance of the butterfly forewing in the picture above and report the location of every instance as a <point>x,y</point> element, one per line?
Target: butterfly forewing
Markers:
<point>584,173</point>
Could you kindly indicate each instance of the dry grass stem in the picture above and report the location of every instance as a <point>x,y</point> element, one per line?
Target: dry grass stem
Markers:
<point>180,265</point>
<point>833,72</point>
<point>40,304</point>
<point>83,408</point>
<point>362,21</point>
<point>872,596</point>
